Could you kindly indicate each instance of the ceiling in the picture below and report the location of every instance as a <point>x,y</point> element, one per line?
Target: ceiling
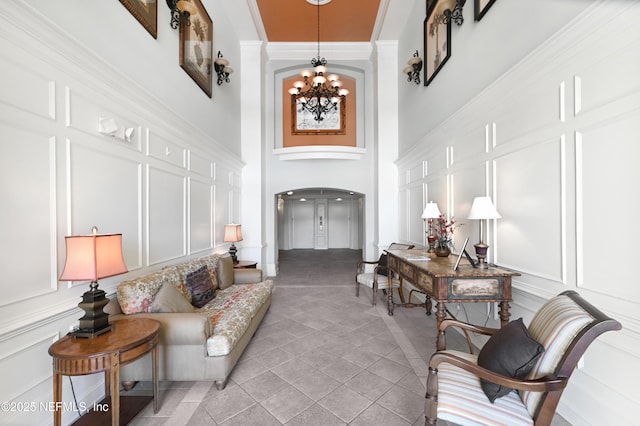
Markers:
<point>297,20</point>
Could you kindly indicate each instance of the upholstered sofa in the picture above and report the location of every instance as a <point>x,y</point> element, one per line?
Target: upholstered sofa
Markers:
<point>201,342</point>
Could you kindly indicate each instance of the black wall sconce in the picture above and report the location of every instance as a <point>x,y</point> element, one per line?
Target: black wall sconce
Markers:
<point>452,11</point>
<point>180,12</point>
<point>221,65</point>
<point>412,70</point>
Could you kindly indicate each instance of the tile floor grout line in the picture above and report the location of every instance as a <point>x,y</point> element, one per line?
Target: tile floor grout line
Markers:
<point>417,363</point>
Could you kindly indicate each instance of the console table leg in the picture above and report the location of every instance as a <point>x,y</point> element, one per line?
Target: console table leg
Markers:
<point>504,313</point>
<point>441,315</point>
<point>390,293</point>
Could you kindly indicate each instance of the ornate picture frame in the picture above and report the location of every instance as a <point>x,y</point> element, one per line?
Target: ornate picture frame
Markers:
<point>481,7</point>
<point>303,123</point>
<point>196,47</point>
<point>146,12</point>
<point>437,44</point>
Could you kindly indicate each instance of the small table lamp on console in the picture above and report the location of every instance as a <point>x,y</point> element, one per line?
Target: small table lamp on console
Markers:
<point>482,209</point>
<point>233,234</point>
<point>431,211</point>
<point>91,257</point>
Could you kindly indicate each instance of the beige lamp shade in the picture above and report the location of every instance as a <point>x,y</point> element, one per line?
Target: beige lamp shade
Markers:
<point>431,211</point>
<point>91,257</point>
<point>232,233</point>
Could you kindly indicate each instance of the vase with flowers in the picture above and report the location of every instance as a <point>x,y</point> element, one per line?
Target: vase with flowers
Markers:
<point>444,235</point>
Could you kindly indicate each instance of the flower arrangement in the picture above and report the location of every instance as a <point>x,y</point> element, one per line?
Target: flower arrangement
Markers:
<point>444,231</point>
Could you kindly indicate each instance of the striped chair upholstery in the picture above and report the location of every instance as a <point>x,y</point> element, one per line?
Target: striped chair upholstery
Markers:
<point>565,325</point>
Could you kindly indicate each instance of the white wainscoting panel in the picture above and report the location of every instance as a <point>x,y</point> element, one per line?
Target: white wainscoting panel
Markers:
<point>200,215</point>
<point>27,225</point>
<point>166,215</point>
<point>608,206</point>
<point>92,174</point>
<point>529,198</point>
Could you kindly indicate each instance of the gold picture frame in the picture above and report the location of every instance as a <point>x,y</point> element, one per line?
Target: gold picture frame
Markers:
<point>196,47</point>
<point>303,123</point>
<point>146,12</point>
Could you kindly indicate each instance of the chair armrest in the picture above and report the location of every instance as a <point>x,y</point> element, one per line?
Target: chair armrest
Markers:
<point>247,276</point>
<point>360,267</point>
<point>466,326</point>
<point>543,384</point>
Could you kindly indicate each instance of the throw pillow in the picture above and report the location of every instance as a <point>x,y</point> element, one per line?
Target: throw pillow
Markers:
<point>200,286</point>
<point>225,272</point>
<point>169,299</point>
<point>383,262</point>
<point>510,352</point>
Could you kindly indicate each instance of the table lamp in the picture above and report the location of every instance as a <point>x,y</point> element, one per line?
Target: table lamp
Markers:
<point>233,234</point>
<point>91,257</point>
<point>431,211</point>
<point>482,209</point>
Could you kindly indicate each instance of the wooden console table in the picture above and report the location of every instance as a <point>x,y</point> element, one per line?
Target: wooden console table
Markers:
<point>130,339</point>
<point>437,279</point>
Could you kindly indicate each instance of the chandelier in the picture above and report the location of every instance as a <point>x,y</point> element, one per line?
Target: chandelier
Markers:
<point>317,94</point>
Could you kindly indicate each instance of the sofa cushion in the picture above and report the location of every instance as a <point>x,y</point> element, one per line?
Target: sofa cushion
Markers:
<point>136,295</point>
<point>510,352</point>
<point>231,312</point>
<point>169,299</point>
<point>200,286</point>
<point>225,272</point>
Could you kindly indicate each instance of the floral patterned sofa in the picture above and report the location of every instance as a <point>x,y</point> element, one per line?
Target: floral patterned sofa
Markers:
<point>201,342</point>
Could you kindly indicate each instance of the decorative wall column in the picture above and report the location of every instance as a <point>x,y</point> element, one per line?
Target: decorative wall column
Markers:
<point>253,174</point>
<point>387,130</point>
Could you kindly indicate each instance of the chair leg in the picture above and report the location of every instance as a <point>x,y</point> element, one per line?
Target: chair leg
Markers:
<point>374,290</point>
<point>357,288</point>
<point>431,398</point>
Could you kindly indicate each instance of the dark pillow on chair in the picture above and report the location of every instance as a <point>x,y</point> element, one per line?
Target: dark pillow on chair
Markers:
<point>383,262</point>
<point>510,352</point>
<point>200,286</point>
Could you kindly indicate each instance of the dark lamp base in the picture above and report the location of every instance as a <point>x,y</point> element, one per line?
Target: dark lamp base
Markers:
<point>481,254</point>
<point>95,321</point>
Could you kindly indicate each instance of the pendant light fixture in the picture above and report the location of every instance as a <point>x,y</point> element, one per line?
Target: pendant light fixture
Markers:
<point>318,93</point>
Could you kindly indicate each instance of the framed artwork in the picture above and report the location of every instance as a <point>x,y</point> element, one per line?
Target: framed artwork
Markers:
<point>196,47</point>
<point>146,12</point>
<point>437,46</point>
<point>303,122</point>
<point>481,7</point>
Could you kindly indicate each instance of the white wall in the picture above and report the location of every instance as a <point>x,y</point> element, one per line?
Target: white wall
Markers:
<point>169,190</point>
<point>553,141</point>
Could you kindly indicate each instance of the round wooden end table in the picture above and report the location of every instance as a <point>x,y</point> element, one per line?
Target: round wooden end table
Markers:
<point>130,339</point>
<point>245,264</point>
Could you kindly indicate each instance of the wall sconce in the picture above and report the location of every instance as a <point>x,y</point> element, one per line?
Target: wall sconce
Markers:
<point>413,69</point>
<point>222,68</point>
<point>180,12</point>
<point>451,10</point>
<point>108,126</point>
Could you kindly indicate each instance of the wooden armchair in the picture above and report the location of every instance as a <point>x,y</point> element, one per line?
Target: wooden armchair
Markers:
<point>565,326</point>
<point>378,278</point>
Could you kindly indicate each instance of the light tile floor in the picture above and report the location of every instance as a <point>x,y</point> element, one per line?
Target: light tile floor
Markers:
<point>320,357</point>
